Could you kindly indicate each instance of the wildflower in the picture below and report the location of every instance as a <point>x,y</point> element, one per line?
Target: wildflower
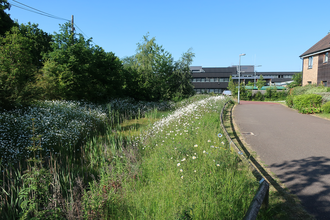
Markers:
<point>222,142</point>
<point>193,157</point>
<point>204,151</point>
<point>194,171</point>
<point>183,159</point>
<point>178,164</point>
<point>218,165</point>
<point>219,135</point>
<point>209,141</point>
<point>195,145</point>
<point>181,170</point>
<point>212,146</point>
<point>181,177</point>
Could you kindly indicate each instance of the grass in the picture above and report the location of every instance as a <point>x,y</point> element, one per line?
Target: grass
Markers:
<point>152,164</point>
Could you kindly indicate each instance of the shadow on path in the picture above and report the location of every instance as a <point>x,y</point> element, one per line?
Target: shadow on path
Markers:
<point>301,176</point>
<point>290,199</point>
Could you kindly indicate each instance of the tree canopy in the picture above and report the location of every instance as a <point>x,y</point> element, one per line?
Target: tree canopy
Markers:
<point>6,23</point>
<point>155,74</point>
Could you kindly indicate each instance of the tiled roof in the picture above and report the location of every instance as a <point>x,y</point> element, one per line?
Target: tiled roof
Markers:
<point>319,46</point>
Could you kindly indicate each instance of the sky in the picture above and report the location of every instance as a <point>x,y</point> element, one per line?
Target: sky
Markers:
<point>272,33</point>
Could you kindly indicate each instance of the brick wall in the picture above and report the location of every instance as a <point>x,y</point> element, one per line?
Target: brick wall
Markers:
<point>310,74</point>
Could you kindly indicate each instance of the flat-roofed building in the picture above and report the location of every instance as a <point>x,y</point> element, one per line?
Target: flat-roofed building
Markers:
<point>215,79</point>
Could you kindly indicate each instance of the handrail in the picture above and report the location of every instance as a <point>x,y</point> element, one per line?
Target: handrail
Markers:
<point>262,195</point>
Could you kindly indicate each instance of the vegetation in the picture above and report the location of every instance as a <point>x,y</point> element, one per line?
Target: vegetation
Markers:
<point>309,99</point>
<point>261,82</point>
<point>297,80</point>
<point>246,94</point>
<point>154,75</point>
<point>174,164</point>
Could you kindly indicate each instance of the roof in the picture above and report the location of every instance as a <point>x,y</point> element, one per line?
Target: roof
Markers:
<point>323,44</point>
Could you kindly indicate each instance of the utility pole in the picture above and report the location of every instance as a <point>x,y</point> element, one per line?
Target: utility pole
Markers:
<point>72,25</point>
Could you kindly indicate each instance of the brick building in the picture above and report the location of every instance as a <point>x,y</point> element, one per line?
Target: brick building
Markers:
<point>316,66</point>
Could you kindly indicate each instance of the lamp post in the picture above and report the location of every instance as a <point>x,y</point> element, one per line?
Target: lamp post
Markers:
<point>255,75</point>
<point>239,75</point>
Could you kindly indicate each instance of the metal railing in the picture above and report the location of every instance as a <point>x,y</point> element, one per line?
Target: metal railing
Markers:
<point>262,195</point>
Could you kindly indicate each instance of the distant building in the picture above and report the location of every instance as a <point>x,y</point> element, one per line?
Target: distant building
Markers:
<point>316,66</point>
<point>215,79</point>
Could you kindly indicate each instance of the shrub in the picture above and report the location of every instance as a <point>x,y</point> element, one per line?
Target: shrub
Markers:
<point>328,89</point>
<point>326,107</point>
<point>307,103</point>
<point>258,96</point>
<point>289,101</point>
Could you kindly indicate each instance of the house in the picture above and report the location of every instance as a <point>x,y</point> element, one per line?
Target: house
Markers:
<point>316,66</point>
<point>215,79</point>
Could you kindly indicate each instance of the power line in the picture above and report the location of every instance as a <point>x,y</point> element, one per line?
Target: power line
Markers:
<point>37,11</point>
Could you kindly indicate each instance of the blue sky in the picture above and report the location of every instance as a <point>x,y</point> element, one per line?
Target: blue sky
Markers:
<point>272,33</point>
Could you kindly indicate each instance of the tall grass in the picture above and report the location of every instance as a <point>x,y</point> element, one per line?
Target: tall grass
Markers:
<point>176,168</point>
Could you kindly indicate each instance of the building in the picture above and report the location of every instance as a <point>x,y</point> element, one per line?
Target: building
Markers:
<point>215,79</point>
<point>211,79</point>
<point>316,67</point>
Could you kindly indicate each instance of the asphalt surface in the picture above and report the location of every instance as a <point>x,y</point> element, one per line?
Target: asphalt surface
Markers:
<point>295,147</point>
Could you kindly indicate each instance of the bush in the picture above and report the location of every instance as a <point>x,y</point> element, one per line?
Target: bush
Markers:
<point>307,103</point>
<point>326,107</point>
<point>258,96</point>
<point>289,101</point>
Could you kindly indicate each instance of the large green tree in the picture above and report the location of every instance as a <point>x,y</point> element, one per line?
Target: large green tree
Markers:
<point>17,72</point>
<point>75,69</point>
<point>41,42</point>
<point>6,23</point>
<point>152,73</point>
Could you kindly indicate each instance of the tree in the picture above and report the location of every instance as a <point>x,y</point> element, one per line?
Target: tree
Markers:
<point>17,72</point>
<point>232,86</point>
<point>297,80</point>
<point>261,82</point>
<point>155,74</point>
<point>75,69</point>
<point>6,23</point>
<point>41,42</point>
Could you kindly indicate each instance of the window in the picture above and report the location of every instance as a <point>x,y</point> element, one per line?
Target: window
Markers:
<point>310,62</point>
<point>326,57</point>
<point>207,80</point>
<point>211,79</point>
<point>202,79</point>
<point>194,80</point>
<point>309,82</point>
<point>325,83</point>
<point>216,90</point>
<point>198,90</point>
<point>212,90</point>
<point>216,79</point>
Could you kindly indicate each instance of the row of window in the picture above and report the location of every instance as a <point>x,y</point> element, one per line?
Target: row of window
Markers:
<point>310,60</point>
<point>273,76</point>
<point>207,79</point>
<point>217,91</point>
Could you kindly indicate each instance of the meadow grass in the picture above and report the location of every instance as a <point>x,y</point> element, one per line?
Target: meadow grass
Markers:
<point>155,165</point>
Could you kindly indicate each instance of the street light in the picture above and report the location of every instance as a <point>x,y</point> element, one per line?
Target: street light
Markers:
<point>255,75</point>
<point>239,74</point>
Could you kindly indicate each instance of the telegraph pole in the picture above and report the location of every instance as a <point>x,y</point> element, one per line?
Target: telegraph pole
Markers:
<point>72,25</point>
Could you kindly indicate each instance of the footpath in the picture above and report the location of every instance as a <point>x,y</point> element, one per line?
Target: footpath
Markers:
<point>295,147</point>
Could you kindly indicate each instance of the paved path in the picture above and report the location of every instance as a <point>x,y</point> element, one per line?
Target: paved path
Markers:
<point>295,147</point>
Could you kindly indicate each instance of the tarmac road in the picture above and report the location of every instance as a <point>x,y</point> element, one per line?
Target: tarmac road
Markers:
<point>294,146</point>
